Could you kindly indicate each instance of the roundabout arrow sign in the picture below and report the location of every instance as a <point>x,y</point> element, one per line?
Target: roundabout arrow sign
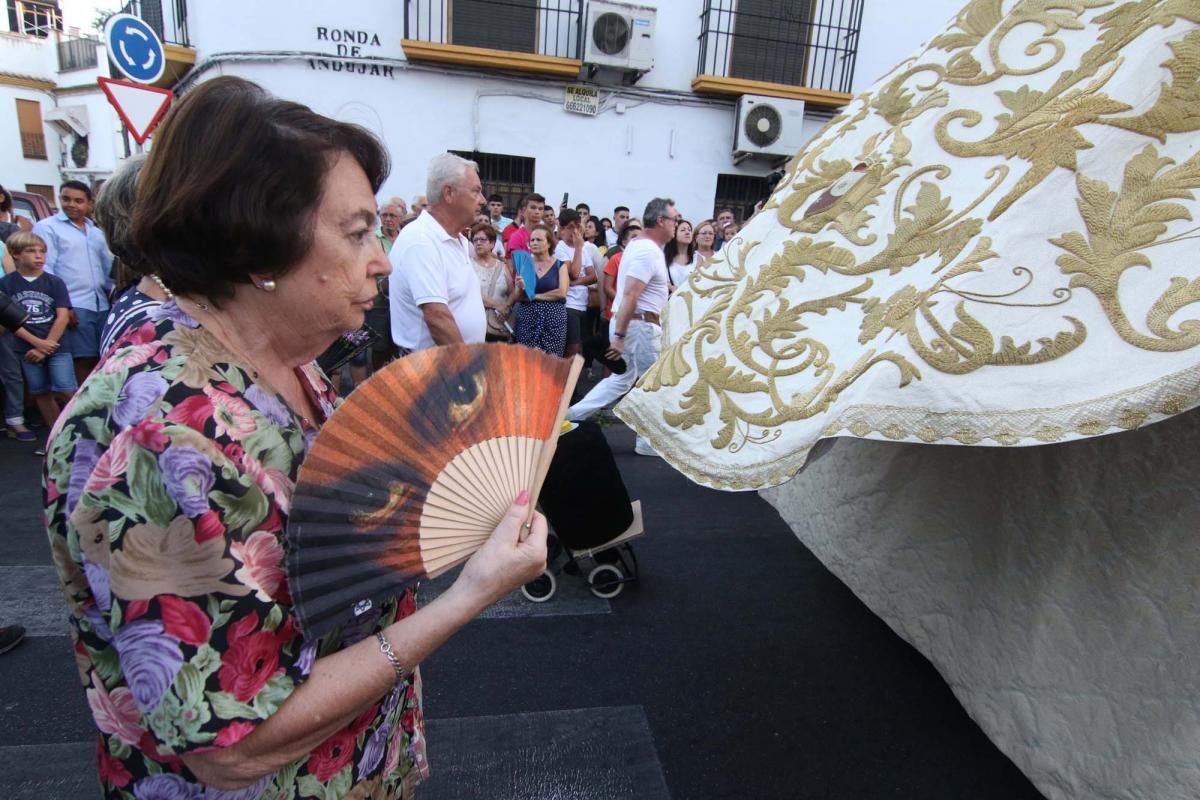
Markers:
<point>135,48</point>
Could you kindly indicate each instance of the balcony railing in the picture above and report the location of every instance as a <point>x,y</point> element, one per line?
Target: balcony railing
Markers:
<point>77,54</point>
<point>171,27</point>
<point>807,43</point>
<point>32,18</point>
<point>539,27</point>
<point>33,145</point>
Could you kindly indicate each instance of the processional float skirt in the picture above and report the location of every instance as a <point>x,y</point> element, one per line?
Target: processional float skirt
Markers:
<point>993,245</point>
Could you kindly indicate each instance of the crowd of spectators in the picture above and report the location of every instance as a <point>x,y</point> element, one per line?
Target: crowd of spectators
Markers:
<point>464,271</point>
<point>546,279</point>
<point>556,297</point>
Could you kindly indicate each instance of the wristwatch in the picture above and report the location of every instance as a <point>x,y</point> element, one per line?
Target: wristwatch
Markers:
<point>618,334</point>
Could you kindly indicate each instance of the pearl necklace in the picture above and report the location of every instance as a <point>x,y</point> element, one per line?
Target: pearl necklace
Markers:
<point>170,295</point>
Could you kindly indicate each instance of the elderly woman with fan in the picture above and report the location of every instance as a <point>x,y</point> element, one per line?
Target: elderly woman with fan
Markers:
<point>170,477</point>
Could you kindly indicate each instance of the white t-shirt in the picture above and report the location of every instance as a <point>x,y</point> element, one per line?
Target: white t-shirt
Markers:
<point>680,273</point>
<point>430,265</point>
<point>577,296</point>
<point>645,261</point>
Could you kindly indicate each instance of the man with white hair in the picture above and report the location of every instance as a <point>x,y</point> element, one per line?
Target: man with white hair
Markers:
<point>400,205</point>
<point>434,292</point>
<point>390,216</point>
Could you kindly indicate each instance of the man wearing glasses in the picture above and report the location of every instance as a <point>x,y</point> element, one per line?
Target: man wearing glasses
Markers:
<point>636,330</point>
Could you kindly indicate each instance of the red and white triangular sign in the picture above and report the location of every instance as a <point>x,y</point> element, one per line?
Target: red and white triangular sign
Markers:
<point>140,107</point>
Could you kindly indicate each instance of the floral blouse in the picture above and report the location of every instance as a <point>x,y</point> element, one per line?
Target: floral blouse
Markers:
<point>167,488</point>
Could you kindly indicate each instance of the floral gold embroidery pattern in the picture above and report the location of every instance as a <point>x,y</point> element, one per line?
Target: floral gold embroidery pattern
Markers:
<point>1011,201</point>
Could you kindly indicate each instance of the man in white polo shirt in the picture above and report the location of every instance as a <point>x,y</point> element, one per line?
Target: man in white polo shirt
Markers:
<point>636,332</point>
<point>434,292</point>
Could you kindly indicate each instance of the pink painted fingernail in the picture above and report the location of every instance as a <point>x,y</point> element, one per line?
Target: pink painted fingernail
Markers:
<point>523,498</point>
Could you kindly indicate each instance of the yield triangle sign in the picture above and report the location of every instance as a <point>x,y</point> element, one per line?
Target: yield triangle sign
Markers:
<point>140,107</point>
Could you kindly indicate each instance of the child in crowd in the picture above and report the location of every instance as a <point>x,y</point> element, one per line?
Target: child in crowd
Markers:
<point>49,370</point>
<point>10,374</point>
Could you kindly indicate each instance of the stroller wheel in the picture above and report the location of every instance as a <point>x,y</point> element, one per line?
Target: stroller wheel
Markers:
<point>540,589</point>
<point>606,581</point>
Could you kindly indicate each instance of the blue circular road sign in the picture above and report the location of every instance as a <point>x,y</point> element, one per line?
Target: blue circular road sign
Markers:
<point>135,48</point>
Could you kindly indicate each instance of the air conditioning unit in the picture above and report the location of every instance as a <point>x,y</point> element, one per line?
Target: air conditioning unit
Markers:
<point>620,36</point>
<point>768,126</point>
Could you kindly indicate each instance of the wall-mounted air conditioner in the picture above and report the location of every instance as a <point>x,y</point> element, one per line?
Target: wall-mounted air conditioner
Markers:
<point>619,36</point>
<point>768,126</point>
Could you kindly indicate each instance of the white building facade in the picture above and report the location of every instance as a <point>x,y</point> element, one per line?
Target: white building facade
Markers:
<point>656,114</point>
<point>56,124</point>
<point>490,80</point>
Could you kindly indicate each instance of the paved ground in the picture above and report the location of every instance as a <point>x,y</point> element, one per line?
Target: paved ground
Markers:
<point>737,668</point>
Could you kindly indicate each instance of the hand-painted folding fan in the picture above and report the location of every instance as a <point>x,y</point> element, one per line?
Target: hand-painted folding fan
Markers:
<point>413,472</point>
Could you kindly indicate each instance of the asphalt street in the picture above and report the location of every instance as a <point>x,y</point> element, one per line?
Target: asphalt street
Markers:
<point>736,667</point>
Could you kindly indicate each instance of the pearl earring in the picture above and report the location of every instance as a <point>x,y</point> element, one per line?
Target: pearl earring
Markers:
<point>268,286</point>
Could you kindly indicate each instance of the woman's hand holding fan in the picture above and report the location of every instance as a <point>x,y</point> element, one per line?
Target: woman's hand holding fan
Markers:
<point>416,471</point>
<point>516,548</point>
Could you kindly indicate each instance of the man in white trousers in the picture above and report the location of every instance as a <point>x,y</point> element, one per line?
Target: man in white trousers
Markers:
<point>636,330</point>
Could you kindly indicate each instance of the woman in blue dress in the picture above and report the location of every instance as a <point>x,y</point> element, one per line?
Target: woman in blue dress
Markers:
<point>542,321</point>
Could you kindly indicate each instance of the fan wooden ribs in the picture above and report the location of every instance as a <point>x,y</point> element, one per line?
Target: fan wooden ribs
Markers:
<point>414,471</point>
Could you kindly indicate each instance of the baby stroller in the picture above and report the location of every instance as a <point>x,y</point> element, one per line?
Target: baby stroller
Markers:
<point>588,507</point>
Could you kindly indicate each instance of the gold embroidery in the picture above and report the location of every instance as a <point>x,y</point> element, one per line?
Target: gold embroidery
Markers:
<point>974,24</point>
<point>755,342</point>
<point>1120,227</point>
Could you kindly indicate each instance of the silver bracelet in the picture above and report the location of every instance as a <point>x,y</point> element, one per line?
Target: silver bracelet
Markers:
<point>385,647</point>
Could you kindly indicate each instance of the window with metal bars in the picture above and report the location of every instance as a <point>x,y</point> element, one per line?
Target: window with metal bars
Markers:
<point>509,25</point>
<point>77,54</point>
<point>544,27</point>
<point>170,28</point>
<point>37,18</point>
<point>810,43</point>
<point>511,177</point>
<point>740,193</point>
<point>770,40</point>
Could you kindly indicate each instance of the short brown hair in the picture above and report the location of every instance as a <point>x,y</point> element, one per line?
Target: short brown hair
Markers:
<point>551,241</point>
<point>233,183</point>
<point>20,241</point>
<point>485,227</point>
